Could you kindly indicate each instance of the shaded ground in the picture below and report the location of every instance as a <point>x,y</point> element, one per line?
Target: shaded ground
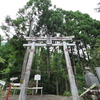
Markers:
<point>43,97</point>
<point>36,97</point>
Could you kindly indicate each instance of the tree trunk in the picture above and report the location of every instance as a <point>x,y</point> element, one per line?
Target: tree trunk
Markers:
<point>73,62</point>
<point>66,85</point>
<point>83,51</point>
<point>86,50</point>
<point>48,62</point>
<point>57,86</point>
<point>38,67</point>
<point>80,63</point>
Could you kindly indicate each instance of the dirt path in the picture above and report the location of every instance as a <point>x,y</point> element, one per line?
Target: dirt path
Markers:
<point>44,97</point>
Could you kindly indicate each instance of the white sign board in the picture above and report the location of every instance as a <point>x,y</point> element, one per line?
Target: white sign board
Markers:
<point>13,78</point>
<point>37,77</point>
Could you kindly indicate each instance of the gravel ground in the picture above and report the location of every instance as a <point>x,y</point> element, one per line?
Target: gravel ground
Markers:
<point>35,97</point>
<point>43,97</point>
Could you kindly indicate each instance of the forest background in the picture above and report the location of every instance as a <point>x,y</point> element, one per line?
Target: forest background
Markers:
<point>39,18</point>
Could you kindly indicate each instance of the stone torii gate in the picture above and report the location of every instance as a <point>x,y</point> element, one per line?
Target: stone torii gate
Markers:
<point>48,42</point>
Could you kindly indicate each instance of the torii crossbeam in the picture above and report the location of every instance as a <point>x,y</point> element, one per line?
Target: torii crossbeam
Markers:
<point>48,42</point>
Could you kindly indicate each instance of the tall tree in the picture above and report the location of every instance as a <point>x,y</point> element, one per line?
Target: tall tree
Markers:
<point>98,7</point>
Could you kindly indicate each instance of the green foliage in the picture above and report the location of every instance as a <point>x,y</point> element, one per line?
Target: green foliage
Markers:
<point>80,91</point>
<point>12,54</point>
<point>2,94</point>
<point>67,93</point>
<point>2,60</point>
<point>95,53</point>
<point>5,71</point>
